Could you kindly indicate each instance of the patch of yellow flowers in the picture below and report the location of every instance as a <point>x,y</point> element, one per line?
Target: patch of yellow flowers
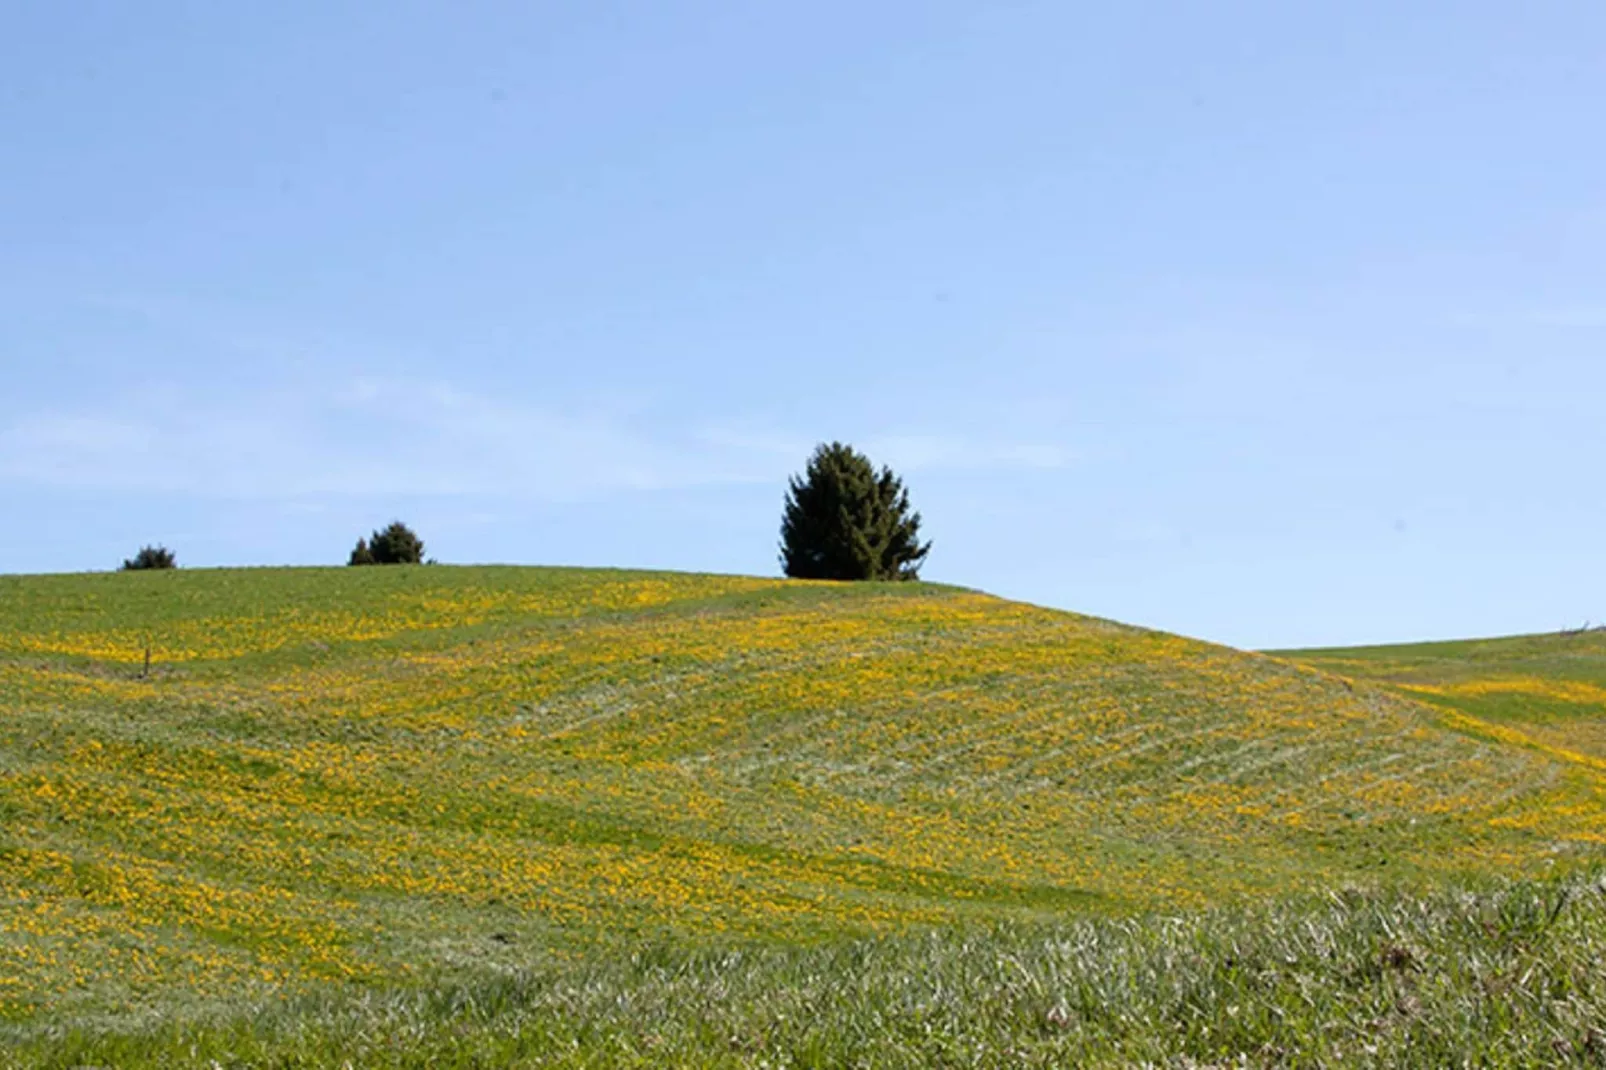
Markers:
<point>503,764</point>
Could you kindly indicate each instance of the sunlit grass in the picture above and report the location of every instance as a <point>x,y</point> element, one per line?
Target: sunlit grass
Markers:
<point>349,779</point>
<point>1501,976</point>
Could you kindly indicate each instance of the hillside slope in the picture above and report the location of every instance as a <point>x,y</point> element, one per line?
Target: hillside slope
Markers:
<point>1547,692</point>
<point>383,774</point>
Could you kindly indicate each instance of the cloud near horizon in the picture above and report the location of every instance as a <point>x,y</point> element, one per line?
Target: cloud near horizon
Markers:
<point>376,437</point>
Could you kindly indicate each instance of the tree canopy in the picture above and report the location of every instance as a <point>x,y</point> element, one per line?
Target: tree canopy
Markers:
<point>843,520</point>
<point>394,545</point>
<point>150,557</point>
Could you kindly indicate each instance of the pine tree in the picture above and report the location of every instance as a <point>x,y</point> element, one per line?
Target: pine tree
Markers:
<point>150,557</point>
<point>845,521</point>
<point>395,545</point>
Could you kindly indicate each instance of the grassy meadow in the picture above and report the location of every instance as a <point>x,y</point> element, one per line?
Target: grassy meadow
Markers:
<point>1504,976</point>
<point>344,804</point>
<point>1546,693</point>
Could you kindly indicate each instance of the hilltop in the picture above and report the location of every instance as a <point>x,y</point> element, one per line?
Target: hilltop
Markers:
<point>393,775</point>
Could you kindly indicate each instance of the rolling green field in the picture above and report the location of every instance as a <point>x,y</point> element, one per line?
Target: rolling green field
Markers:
<point>334,787</point>
<point>1546,693</point>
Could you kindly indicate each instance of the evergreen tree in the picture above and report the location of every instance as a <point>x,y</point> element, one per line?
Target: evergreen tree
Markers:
<point>395,545</point>
<point>361,554</point>
<point>150,557</point>
<point>846,521</point>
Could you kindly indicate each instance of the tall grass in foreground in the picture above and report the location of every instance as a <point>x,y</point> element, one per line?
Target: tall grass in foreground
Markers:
<point>1504,976</point>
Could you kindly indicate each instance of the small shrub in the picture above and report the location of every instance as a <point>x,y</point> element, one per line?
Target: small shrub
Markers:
<point>151,557</point>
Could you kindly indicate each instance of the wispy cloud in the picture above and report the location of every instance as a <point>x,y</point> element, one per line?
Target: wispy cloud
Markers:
<point>388,437</point>
<point>1587,311</point>
<point>1574,315</point>
<point>914,452</point>
<point>911,452</point>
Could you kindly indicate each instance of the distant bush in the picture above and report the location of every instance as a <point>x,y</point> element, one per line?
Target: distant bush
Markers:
<point>846,521</point>
<point>395,545</point>
<point>151,557</point>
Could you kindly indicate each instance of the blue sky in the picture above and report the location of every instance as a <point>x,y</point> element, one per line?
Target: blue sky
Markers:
<point>1271,323</point>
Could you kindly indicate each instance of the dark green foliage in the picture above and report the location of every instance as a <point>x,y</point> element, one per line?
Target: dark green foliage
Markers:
<point>395,545</point>
<point>846,521</point>
<point>150,557</point>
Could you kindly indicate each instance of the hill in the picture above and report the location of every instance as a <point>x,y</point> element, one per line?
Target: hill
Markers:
<point>393,775</point>
<point>1546,693</point>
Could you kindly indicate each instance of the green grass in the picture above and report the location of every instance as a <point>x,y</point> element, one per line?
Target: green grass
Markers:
<point>361,794</point>
<point>1558,656</point>
<point>1504,976</point>
<point>1551,688</point>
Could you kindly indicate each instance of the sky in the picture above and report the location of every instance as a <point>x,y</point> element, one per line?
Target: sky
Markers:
<point>1274,324</point>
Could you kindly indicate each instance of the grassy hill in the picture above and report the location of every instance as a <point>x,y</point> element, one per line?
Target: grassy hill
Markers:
<point>377,777</point>
<point>1546,693</point>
